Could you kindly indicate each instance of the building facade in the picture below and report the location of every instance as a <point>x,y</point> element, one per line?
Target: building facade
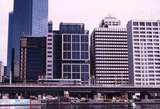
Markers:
<point>29,18</point>
<point>109,53</point>
<point>49,56</point>
<point>10,41</point>
<point>144,52</point>
<point>70,56</point>
<point>32,58</point>
<point>75,52</point>
<point>1,71</point>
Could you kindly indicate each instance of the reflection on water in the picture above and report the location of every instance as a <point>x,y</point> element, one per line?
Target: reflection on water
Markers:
<point>14,107</point>
<point>22,107</point>
<point>107,106</point>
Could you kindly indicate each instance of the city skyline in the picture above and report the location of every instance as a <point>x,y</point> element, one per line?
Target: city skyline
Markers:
<point>91,14</point>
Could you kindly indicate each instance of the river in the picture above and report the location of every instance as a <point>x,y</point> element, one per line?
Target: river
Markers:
<point>108,106</point>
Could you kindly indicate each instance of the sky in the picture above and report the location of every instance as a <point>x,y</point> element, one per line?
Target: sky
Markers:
<point>90,12</point>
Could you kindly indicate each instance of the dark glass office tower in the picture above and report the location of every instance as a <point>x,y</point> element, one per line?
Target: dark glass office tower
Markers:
<point>30,19</point>
<point>32,58</point>
<point>10,46</point>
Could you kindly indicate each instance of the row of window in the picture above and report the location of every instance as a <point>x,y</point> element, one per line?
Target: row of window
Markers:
<point>75,47</point>
<point>146,44</point>
<point>147,48</point>
<point>138,83</point>
<point>110,36</point>
<point>151,79</point>
<point>111,42</point>
<point>113,61</point>
<point>142,71</point>
<point>145,24</point>
<point>75,38</point>
<point>75,55</point>
<point>150,75</point>
<point>136,28</point>
<point>120,68</point>
<point>144,32</point>
<point>149,40</point>
<point>118,73</point>
<point>110,39</point>
<point>108,46</point>
<point>75,68</point>
<point>146,36</point>
<point>100,58</point>
<point>82,76</point>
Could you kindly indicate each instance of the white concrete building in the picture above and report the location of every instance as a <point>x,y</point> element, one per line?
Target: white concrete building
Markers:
<point>49,56</point>
<point>144,52</point>
<point>109,53</point>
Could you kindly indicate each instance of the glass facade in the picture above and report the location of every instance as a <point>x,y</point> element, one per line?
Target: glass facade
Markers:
<point>76,71</point>
<point>72,28</point>
<point>10,46</point>
<point>75,46</point>
<point>75,52</point>
<point>30,19</point>
<point>33,58</point>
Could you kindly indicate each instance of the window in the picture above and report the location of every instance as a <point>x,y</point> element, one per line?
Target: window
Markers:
<point>84,46</point>
<point>49,69</point>
<point>75,68</point>
<point>149,28</point>
<point>142,24</point>
<point>135,23</point>
<point>75,38</point>
<point>67,68</point>
<point>84,55</point>
<point>67,55</point>
<point>84,68</point>
<point>84,76</point>
<point>49,39</point>
<point>67,75</point>
<point>75,55</point>
<point>135,28</point>
<point>49,52</point>
<point>67,38</point>
<point>49,56</point>
<point>148,23</point>
<point>49,43</point>
<point>84,38</point>
<point>67,46</point>
<point>75,46</point>
<point>49,48</point>
<point>75,75</point>
<point>142,28</point>
<point>49,65</point>
<point>155,24</point>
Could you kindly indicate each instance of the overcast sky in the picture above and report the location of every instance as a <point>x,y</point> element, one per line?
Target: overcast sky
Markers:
<point>89,12</point>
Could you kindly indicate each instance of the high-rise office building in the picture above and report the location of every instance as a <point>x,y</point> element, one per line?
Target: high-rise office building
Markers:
<point>32,58</point>
<point>29,18</point>
<point>109,53</point>
<point>1,71</point>
<point>144,52</point>
<point>75,52</point>
<point>70,56</point>
<point>10,41</point>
